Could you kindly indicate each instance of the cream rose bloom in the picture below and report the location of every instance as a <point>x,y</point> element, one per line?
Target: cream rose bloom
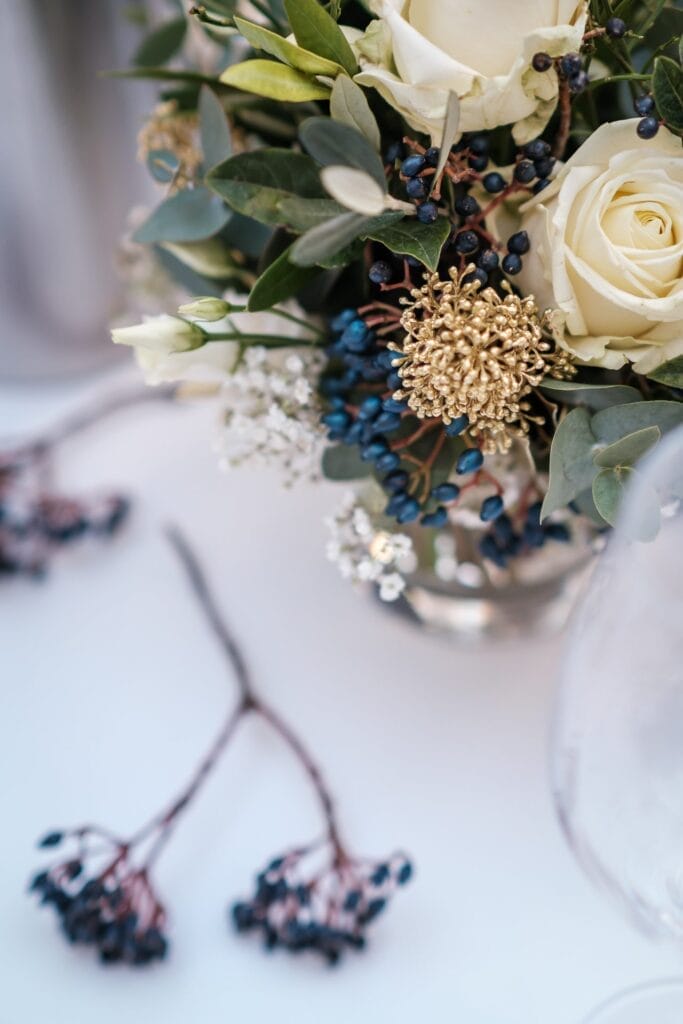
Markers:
<point>421,50</point>
<point>607,248</point>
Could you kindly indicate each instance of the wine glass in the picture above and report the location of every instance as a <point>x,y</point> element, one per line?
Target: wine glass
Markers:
<point>617,750</point>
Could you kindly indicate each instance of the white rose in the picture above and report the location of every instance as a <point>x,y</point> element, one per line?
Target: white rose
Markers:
<point>607,248</point>
<point>421,50</point>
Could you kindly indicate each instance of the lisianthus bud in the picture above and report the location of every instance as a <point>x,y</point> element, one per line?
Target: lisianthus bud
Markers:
<point>161,334</point>
<point>206,308</point>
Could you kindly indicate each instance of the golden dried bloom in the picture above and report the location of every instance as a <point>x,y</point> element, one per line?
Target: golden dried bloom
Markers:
<point>472,352</point>
<point>176,132</point>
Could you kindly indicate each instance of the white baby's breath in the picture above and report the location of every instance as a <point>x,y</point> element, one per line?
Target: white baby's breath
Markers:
<point>365,553</point>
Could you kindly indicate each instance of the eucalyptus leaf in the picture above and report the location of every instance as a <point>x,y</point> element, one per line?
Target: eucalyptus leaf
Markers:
<point>303,60</point>
<point>330,142</point>
<point>315,30</point>
<point>343,462</point>
<point>667,86</point>
<point>280,281</point>
<point>612,424</point>
<point>162,165</point>
<point>608,491</point>
<point>214,128</point>
<point>327,239</point>
<point>188,216</point>
<point>411,238</point>
<point>595,396</point>
<point>670,373</point>
<point>348,105</point>
<point>571,461</point>
<point>628,449</point>
<point>274,81</point>
<point>161,43</point>
<point>255,184</point>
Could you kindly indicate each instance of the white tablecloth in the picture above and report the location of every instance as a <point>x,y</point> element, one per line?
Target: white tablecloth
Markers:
<point>112,686</point>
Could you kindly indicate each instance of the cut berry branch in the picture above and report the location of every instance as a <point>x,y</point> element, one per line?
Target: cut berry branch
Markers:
<point>103,894</point>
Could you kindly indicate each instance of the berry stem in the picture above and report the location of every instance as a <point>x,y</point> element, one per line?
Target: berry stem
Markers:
<point>249,701</point>
<point>565,105</point>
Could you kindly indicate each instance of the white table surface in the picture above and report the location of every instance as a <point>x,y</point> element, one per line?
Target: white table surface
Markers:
<point>112,686</point>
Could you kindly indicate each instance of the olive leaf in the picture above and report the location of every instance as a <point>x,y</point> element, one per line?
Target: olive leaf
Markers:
<point>274,81</point>
<point>161,43</point>
<point>317,31</point>
<point>270,42</point>
<point>330,142</point>
<point>348,105</point>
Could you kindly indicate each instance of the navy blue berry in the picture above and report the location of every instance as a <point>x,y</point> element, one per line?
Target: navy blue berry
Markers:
<point>446,492</point>
<point>388,462</point>
<point>412,165</point>
<point>647,128</point>
<point>432,156</point>
<point>409,511</point>
<point>370,407</point>
<point>469,461</point>
<point>416,188</point>
<point>380,272</point>
<point>541,61</point>
<point>644,105</point>
<point>524,172</point>
<point>457,425</point>
<point>491,508</point>
<point>536,149</point>
<point>519,243</point>
<point>512,263</point>
<point>570,64</point>
<point>466,242</point>
<point>466,206</point>
<point>488,260</point>
<point>615,28</point>
<point>427,212</point>
<point>439,517</point>
<point>493,182</point>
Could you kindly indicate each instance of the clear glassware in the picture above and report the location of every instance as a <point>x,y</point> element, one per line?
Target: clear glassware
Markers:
<point>660,1002</point>
<point>617,750</point>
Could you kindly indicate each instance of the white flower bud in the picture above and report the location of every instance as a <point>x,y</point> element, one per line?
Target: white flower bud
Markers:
<point>163,334</point>
<point>206,308</point>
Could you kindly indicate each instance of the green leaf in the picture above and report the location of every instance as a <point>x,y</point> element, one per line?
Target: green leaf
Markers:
<point>280,281</point>
<point>165,75</point>
<point>667,86</point>
<point>411,238</point>
<point>303,60</point>
<point>316,31</point>
<point>343,462</point>
<point>255,184</point>
<point>332,143</point>
<point>571,461</point>
<point>608,490</point>
<point>302,214</point>
<point>214,128</point>
<point>680,50</point>
<point>327,239</point>
<point>348,105</point>
<point>161,44</point>
<point>274,81</point>
<point>187,216</point>
<point>612,424</point>
<point>670,373</point>
<point>629,449</point>
<point>595,396</point>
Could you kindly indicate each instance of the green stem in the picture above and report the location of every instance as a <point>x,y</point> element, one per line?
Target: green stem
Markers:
<point>618,78</point>
<point>269,340</point>
<point>285,316</point>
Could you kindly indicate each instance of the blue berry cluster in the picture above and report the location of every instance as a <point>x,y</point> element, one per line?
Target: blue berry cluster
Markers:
<point>372,420</point>
<point>328,914</point>
<point>648,126</point>
<point>503,542</point>
<point>417,186</point>
<point>34,524</point>
<point>112,914</point>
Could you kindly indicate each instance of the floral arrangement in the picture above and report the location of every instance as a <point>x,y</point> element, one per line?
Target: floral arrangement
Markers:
<point>432,247</point>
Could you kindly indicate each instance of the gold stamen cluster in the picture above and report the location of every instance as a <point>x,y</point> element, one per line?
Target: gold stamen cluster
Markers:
<point>471,352</point>
<point>176,132</point>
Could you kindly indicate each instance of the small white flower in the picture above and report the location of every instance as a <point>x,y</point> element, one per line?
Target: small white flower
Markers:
<point>391,586</point>
<point>206,308</point>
